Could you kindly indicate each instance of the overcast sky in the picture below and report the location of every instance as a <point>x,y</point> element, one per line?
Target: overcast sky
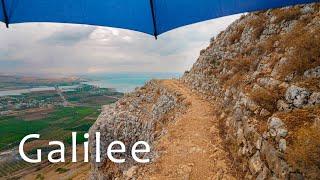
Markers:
<point>65,49</point>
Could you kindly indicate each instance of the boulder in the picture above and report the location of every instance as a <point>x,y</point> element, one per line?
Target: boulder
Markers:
<point>308,9</point>
<point>314,98</point>
<point>297,96</point>
<point>275,123</point>
<point>312,73</point>
<point>279,167</point>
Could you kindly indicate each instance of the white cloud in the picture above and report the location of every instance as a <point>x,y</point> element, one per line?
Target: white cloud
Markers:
<point>77,49</point>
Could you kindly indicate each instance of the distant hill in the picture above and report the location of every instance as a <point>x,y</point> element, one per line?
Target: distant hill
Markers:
<point>8,82</point>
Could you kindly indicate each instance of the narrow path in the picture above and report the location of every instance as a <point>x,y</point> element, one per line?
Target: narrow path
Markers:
<point>192,148</point>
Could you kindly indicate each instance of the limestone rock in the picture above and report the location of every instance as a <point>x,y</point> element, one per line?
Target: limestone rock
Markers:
<point>314,98</point>
<point>307,9</point>
<point>282,132</point>
<point>264,174</point>
<point>283,145</point>
<point>312,73</point>
<point>283,106</point>
<point>297,96</point>
<point>255,163</point>
<point>275,123</point>
<point>264,112</point>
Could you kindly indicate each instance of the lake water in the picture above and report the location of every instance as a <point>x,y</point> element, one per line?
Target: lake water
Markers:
<point>127,82</point>
<point>24,91</point>
<point>121,82</point>
<point>38,89</point>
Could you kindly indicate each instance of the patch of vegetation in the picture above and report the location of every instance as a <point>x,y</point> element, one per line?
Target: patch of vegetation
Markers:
<point>286,14</point>
<point>266,98</point>
<point>257,25</point>
<point>80,139</point>
<point>240,67</point>
<point>299,117</point>
<point>57,126</point>
<point>309,83</point>
<point>303,153</point>
<point>92,96</point>
<point>304,141</point>
<point>236,35</point>
<point>82,127</point>
<point>305,50</point>
<point>13,129</point>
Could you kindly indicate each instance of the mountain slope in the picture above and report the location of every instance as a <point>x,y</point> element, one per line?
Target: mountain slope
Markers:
<point>264,72</point>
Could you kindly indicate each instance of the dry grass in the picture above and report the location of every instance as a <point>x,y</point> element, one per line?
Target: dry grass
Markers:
<point>266,98</point>
<point>242,64</point>
<point>236,35</point>
<point>309,83</point>
<point>299,117</point>
<point>306,50</point>
<point>286,14</point>
<point>303,154</point>
<point>235,80</point>
<point>267,46</point>
<point>240,67</point>
<point>258,25</point>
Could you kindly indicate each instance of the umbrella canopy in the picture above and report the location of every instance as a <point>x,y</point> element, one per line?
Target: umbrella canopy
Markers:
<point>153,17</point>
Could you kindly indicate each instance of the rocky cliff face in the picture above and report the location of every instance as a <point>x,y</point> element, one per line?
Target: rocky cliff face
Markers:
<point>264,71</point>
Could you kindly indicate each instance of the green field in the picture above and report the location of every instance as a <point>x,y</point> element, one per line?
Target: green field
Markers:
<point>57,126</point>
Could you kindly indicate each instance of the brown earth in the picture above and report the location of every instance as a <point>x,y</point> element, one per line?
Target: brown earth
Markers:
<point>34,114</point>
<point>193,147</point>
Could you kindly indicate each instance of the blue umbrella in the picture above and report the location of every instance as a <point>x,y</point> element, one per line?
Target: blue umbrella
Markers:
<point>153,17</point>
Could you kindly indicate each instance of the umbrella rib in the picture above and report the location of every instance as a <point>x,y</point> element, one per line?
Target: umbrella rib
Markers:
<point>155,33</point>
<point>5,15</point>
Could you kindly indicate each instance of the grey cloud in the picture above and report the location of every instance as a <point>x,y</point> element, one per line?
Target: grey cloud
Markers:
<point>69,37</point>
<point>78,49</point>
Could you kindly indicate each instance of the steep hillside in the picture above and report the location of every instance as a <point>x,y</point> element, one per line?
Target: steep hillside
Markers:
<point>264,71</point>
<point>248,109</point>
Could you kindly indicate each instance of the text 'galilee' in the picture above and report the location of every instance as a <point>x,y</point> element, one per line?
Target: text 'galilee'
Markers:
<point>58,155</point>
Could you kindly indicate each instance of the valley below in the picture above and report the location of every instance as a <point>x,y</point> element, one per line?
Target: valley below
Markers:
<point>54,111</point>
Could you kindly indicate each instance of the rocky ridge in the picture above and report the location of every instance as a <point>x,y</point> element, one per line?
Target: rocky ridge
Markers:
<point>264,71</point>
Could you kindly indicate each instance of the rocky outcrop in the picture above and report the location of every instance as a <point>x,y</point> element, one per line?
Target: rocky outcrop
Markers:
<point>139,116</point>
<point>297,96</point>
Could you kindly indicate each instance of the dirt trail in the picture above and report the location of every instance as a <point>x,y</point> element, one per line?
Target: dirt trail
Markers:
<point>192,148</point>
